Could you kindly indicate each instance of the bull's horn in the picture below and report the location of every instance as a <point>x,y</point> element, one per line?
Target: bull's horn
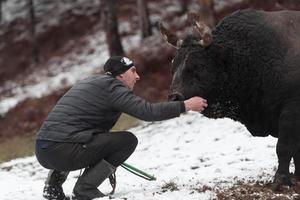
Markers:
<point>169,37</point>
<point>204,31</point>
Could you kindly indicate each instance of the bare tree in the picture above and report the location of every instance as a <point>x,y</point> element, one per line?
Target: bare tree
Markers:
<point>207,12</point>
<point>35,48</point>
<point>111,27</point>
<point>183,6</point>
<point>0,11</point>
<point>144,21</point>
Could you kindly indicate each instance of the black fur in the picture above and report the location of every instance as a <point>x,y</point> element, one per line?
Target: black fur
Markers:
<point>250,73</point>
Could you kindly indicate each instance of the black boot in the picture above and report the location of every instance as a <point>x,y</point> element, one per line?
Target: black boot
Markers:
<point>53,186</point>
<point>87,184</point>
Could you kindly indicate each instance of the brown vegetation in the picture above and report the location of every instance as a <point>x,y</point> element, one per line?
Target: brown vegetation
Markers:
<point>152,59</point>
<point>27,116</point>
<point>259,191</point>
<point>16,54</point>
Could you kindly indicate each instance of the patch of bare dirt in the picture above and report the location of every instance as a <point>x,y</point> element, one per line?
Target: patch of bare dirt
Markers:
<point>255,190</point>
<point>170,186</point>
<point>259,191</point>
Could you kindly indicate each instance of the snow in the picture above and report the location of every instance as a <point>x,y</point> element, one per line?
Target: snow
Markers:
<point>47,9</point>
<point>219,4</point>
<point>64,72</point>
<point>47,12</point>
<point>190,151</point>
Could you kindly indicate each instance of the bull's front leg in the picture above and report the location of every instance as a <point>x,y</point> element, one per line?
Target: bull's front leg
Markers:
<point>296,156</point>
<point>288,140</point>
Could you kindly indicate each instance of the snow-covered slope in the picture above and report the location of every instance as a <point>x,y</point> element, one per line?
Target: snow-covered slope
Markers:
<point>185,153</point>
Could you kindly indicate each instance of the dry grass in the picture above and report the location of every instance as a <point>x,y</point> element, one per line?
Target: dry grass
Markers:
<point>21,146</point>
<point>17,146</point>
<point>126,122</point>
<point>169,186</point>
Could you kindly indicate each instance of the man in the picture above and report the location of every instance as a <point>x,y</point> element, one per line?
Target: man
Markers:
<point>76,133</point>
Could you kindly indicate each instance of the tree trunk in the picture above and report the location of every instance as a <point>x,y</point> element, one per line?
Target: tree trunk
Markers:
<point>111,28</point>
<point>0,11</point>
<point>207,12</point>
<point>35,48</point>
<point>144,21</point>
<point>183,6</point>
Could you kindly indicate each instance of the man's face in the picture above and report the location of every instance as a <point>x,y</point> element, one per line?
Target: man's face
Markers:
<point>130,77</point>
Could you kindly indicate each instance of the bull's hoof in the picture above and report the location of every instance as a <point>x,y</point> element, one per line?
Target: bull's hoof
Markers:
<point>295,179</point>
<point>282,182</point>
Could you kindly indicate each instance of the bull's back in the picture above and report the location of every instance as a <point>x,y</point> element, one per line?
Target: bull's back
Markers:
<point>265,48</point>
<point>287,25</point>
<point>274,43</point>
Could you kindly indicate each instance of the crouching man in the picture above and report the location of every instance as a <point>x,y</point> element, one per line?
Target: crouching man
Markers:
<point>76,134</point>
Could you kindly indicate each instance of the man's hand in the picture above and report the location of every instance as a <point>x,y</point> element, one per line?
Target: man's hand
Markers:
<point>195,104</point>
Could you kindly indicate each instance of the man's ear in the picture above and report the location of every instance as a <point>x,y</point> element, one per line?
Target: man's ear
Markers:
<point>119,77</point>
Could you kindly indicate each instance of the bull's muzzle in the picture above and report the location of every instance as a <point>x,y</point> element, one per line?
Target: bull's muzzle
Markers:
<point>175,97</point>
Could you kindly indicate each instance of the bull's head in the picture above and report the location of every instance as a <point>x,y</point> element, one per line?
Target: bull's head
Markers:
<point>192,68</point>
<point>198,70</point>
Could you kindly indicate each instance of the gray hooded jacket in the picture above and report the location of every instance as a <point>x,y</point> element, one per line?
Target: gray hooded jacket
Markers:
<point>94,105</point>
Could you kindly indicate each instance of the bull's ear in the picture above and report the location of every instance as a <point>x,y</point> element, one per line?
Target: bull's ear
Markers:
<point>169,37</point>
<point>202,29</point>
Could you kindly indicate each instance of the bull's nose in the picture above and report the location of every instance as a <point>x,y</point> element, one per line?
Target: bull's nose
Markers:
<point>175,97</point>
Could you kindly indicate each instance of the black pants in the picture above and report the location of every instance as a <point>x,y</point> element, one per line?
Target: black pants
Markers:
<point>114,147</point>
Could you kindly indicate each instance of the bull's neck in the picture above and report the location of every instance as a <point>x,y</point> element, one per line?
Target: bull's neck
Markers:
<point>238,80</point>
<point>224,78</point>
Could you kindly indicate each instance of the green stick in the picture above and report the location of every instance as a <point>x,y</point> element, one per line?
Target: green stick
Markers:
<point>138,172</point>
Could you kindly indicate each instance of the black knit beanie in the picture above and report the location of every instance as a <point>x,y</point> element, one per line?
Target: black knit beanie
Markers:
<point>117,65</point>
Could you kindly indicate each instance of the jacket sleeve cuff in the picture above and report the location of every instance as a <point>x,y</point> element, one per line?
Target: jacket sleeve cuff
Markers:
<point>182,107</point>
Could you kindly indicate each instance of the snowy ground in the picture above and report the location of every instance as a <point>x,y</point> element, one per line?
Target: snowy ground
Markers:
<point>188,152</point>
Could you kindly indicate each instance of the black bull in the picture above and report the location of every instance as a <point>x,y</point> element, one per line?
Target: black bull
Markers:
<point>248,69</point>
